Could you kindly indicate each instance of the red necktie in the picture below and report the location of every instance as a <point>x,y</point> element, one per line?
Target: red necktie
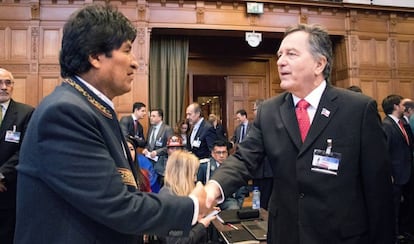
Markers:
<point>401,124</point>
<point>303,118</point>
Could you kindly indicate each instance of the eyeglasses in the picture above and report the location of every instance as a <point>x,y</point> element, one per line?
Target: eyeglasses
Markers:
<point>8,83</point>
<point>221,152</point>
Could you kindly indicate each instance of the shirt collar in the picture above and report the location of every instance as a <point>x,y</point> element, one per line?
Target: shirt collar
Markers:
<point>5,105</point>
<point>314,97</point>
<point>393,117</point>
<point>199,123</point>
<point>97,93</point>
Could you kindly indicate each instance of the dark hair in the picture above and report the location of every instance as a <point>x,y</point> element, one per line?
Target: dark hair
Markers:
<point>221,143</point>
<point>138,106</point>
<point>91,31</point>
<point>389,102</point>
<point>140,176</point>
<point>160,112</point>
<point>242,112</point>
<point>319,42</point>
<point>355,89</point>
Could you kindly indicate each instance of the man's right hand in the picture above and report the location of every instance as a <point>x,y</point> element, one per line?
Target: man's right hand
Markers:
<point>213,194</point>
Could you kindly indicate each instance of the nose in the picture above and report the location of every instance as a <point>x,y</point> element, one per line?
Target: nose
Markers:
<point>134,62</point>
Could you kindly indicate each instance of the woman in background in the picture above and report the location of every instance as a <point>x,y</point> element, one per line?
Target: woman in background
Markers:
<point>180,176</point>
<point>183,129</point>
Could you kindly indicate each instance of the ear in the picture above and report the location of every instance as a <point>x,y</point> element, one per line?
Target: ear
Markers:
<point>320,65</point>
<point>94,60</point>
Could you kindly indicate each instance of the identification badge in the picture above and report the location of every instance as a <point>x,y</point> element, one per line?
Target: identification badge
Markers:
<point>12,135</point>
<point>158,143</point>
<point>326,161</point>
<point>196,143</point>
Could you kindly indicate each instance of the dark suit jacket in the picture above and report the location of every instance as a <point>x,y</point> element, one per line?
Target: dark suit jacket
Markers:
<point>309,207</point>
<point>400,152</point>
<point>17,114</point>
<point>236,136</point>
<point>127,126</point>
<point>207,135</point>
<point>160,146</point>
<point>76,184</point>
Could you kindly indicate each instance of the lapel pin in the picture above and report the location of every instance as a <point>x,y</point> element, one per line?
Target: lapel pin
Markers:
<point>325,112</point>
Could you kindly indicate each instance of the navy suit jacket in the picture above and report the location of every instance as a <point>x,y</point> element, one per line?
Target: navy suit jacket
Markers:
<point>76,184</point>
<point>127,126</point>
<point>353,207</point>
<point>400,152</point>
<point>207,135</point>
<point>236,136</point>
<point>17,114</point>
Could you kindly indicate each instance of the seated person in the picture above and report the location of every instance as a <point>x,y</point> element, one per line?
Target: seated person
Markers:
<point>142,174</point>
<point>180,175</point>
<point>207,167</point>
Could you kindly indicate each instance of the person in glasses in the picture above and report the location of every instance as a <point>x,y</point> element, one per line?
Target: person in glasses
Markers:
<point>220,153</point>
<point>14,117</point>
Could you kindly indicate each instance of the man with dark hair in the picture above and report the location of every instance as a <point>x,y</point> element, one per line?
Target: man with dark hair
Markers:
<point>76,182</point>
<point>241,130</point>
<point>14,117</point>
<point>131,126</point>
<point>400,150</point>
<point>207,167</point>
<point>327,150</point>
<point>157,138</point>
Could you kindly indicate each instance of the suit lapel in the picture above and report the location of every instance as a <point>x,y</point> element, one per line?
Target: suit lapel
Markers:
<point>287,113</point>
<point>326,110</point>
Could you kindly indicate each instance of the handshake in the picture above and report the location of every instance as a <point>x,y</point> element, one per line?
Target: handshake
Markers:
<point>207,196</point>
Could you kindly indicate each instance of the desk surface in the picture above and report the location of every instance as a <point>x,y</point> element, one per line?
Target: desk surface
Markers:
<point>222,227</point>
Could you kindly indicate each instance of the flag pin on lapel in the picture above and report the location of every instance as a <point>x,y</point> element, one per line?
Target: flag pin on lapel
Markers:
<point>325,112</point>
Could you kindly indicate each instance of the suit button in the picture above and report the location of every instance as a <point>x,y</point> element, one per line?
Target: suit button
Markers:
<point>301,195</point>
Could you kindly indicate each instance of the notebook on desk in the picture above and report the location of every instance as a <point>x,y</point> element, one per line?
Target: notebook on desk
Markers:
<point>258,228</point>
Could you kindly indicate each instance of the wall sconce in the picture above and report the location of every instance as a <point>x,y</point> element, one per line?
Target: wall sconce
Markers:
<point>253,38</point>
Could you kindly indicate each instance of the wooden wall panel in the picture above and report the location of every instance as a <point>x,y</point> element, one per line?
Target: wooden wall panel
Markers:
<point>3,45</point>
<point>367,87</point>
<point>50,42</point>
<point>20,88</point>
<point>367,52</point>
<point>384,88</point>
<point>19,44</point>
<point>404,53</point>
<point>405,88</point>
<point>48,84</point>
<point>381,53</point>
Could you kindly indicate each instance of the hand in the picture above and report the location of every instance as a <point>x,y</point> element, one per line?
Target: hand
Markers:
<point>207,220</point>
<point>153,154</point>
<point>3,187</point>
<point>200,194</point>
<point>145,151</point>
<point>213,193</point>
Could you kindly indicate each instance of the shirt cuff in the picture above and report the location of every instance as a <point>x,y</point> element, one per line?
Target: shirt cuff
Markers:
<point>221,198</point>
<point>196,210</point>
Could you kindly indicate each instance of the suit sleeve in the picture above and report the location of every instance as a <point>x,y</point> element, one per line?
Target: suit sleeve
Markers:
<point>124,125</point>
<point>81,169</point>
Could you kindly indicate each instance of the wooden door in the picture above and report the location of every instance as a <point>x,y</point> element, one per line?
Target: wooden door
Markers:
<point>242,92</point>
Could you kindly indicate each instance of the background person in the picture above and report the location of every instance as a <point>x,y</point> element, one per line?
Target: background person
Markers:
<point>312,203</point>
<point>131,126</point>
<point>14,117</point>
<point>76,182</point>
<point>180,175</point>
